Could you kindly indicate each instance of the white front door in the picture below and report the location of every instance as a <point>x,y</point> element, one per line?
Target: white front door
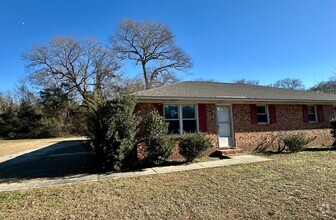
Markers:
<point>224,126</point>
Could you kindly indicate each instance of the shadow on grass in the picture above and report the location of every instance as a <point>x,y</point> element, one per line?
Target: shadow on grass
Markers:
<point>270,153</point>
<point>218,155</point>
<point>309,149</point>
<point>144,165</point>
<point>66,158</point>
<point>313,149</point>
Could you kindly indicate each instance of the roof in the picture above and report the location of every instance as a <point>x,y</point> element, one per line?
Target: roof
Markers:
<point>214,91</point>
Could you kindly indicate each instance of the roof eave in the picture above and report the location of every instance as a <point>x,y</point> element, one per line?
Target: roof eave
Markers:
<point>166,98</point>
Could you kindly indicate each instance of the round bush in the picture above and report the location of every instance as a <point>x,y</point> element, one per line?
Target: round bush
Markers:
<point>159,149</point>
<point>194,145</point>
<point>296,142</point>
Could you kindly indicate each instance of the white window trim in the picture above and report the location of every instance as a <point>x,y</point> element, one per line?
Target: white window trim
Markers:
<point>180,117</point>
<point>267,114</point>
<point>315,112</point>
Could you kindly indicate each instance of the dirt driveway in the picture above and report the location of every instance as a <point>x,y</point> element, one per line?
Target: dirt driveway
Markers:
<point>59,159</point>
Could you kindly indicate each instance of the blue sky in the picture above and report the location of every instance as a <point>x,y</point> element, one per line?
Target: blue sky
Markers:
<point>228,39</point>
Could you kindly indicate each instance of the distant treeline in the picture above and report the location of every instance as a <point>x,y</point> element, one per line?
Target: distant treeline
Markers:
<point>51,114</point>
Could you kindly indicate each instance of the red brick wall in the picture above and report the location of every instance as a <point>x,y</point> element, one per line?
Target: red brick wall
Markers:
<point>211,118</point>
<point>289,120</point>
<point>248,136</point>
<point>144,108</point>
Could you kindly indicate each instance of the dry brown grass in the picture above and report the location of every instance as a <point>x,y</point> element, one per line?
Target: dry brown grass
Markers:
<point>8,147</point>
<point>296,186</point>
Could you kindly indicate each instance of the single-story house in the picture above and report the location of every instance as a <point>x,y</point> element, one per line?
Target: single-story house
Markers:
<point>239,115</point>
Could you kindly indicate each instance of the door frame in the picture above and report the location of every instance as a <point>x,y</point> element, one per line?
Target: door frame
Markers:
<point>231,122</point>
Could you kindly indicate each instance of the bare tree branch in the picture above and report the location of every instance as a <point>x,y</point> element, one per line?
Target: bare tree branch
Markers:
<point>328,86</point>
<point>288,83</point>
<point>77,66</point>
<point>244,81</point>
<point>152,46</point>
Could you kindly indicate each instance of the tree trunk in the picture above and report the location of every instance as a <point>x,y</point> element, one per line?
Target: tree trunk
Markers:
<point>147,83</point>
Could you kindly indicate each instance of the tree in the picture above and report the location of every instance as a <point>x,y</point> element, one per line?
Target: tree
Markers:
<point>6,100</point>
<point>248,82</point>
<point>29,120</point>
<point>152,46</point>
<point>112,129</point>
<point>54,102</point>
<point>9,122</point>
<point>209,80</point>
<point>165,79</point>
<point>24,93</point>
<point>328,86</point>
<point>62,111</point>
<point>137,83</point>
<point>76,66</point>
<point>288,83</point>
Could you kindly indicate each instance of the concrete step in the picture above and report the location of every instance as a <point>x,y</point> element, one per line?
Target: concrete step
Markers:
<point>230,151</point>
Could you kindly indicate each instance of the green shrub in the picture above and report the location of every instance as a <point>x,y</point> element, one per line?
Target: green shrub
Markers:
<point>29,121</point>
<point>155,124</point>
<point>51,127</point>
<point>295,142</point>
<point>22,121</point>
<point>158,145</point>
<point>333,122</point>
<point>112,129</point>
<point>76,123</point>
<point>194,145</point>
<point>333,126</point>
<point>9,123</point>
<point>158,149</point>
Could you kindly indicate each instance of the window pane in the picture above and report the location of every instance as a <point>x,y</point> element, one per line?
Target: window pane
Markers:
<point>189,126</point>
<point>261,109</point>
<point>223,114</point>
<point>262,119</point>
<point>224,129</point>
<point>188,111</point>
<point>311,110</point>
<point>171,111</point>
<point>312,117</point>
<point>174,127</point>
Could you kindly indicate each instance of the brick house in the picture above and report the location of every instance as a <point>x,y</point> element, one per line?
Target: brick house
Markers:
<point>239,115</point>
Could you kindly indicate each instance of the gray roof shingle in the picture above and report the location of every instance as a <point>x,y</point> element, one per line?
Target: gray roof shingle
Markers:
<point>230,91</point>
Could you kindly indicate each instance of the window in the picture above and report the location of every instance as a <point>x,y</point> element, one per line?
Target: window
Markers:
<point>189,118</point>
<point>262,114</point>
<point>312,113</point>
<point>181,118</point>
<point>171,114</point>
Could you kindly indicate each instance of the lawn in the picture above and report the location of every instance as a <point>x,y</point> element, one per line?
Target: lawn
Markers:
<point>293,186</point>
